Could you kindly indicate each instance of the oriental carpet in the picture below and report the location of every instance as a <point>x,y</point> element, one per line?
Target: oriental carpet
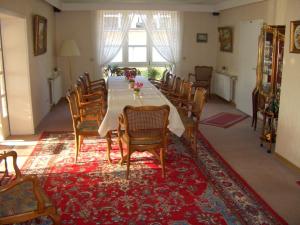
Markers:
<point>205,190</point>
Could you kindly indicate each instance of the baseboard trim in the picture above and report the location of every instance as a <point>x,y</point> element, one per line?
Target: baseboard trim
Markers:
<point>287,162</point>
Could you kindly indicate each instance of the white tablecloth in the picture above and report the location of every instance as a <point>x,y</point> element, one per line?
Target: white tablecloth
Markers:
<point>120,95</point>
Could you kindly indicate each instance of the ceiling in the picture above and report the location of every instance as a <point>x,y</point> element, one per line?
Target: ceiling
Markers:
<point>181,5</point>
<point>148,1</point>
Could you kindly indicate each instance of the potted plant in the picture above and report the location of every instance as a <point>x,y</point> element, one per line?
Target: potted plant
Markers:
<point>152,73</point>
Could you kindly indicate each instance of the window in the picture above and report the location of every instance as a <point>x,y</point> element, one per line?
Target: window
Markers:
<point>138,50</point>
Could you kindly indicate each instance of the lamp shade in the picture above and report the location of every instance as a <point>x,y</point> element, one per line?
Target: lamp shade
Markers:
<point>69,48</point>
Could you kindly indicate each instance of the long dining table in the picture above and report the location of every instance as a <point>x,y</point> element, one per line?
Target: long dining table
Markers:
<point>120,95</point>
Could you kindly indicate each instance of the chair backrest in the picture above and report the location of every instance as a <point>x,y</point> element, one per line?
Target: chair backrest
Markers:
<point>89,81</point>
<point>139,119</point>
<point>83,83</point>
<point>79,90</point>
<point>170,81</point>
<point>73,106</point>
<point>198,102</point>
<point>186,90</point>
<point>203,73</point>
<point>177,85</point>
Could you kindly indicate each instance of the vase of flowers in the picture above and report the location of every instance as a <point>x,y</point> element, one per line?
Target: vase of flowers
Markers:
<point>131,83</point>
<point>137,88</point>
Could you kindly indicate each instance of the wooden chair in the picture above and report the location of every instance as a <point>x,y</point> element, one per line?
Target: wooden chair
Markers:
<point>94,82</point>
<point>202,77</point>
<point>190,115</point>
<point>184,96</point>
<point>90,104</point>
<point>97,88</point>
<point>23,199</point>
<point>144,129</point>
<point>167,81</point>
<point>158,83</point>
<point>169,86</point>
<point>175,92</point>
<point>82,127</point>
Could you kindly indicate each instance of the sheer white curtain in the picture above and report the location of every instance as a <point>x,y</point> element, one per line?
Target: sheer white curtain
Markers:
<point>165,32</point>
<point>111,29</point>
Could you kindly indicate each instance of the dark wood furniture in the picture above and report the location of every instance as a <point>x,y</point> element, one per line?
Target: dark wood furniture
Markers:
<point>190,115</point>
<point>202,77</point>
<point>266,94</point>
<point>22,198</point>
<point>144,129</point>
<point>83,126</point>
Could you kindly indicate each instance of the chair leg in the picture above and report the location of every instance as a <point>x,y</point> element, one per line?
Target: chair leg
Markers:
<point>128,163</point>
<point>80,141</point>
<point>55,218</point>
<point>77,146</point>
<point>162,161</point>
<point>121,149</point>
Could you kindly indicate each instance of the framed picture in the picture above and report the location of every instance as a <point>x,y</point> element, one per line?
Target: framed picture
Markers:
<point>295,37</point>
<point>226,39</point>
<point>40,34</point>
<point>201,37</point>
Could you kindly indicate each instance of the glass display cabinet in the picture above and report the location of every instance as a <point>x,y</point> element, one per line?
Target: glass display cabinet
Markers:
<point>269,73</point>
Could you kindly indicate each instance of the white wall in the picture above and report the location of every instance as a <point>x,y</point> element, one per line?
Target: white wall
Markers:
<point>288,141</point>
<point>194,53</point>
<point>233,17</point>
<point>80,28</point>
<point>40,67</point>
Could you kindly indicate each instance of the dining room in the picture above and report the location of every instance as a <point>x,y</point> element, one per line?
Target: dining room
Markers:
<point>145,112</point>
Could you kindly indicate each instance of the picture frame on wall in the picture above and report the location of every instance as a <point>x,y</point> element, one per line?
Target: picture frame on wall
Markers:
<point>226,39</point>
<point>295,36</point>
<point>201,37</point>
<point>40,34</point>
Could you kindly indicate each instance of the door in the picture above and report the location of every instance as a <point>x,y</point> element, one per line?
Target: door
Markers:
<point>247,60</point>
<point>4,121</point>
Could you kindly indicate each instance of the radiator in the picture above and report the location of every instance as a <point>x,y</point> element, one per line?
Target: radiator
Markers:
<point>55,88</point>
<point>224,85</point>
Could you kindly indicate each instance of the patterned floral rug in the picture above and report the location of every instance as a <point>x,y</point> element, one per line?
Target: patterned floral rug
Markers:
<point>201,191</point>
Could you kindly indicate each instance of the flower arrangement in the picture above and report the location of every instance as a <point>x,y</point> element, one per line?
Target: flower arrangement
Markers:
<point>129,75</point>
<point>137,87</point>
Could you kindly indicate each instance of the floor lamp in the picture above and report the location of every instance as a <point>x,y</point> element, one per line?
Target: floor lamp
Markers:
<point>69,49</point>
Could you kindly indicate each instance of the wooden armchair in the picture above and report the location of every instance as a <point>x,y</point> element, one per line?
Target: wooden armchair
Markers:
<point>90,104</point>
<point>190,115</point>
<point>202,77</point>
<point>175,92</point>
<point>145,129</point>
<point>23,199</point>
<point>97,88</point>
<point>92,83</point>
<point>184,96</point>
<point>169,85</point>
<point>82,126</point>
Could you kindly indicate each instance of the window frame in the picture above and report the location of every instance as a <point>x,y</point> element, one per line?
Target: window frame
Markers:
<point>149,60</point>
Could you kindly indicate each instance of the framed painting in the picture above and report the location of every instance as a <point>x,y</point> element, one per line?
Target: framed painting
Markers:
<point>201,37</point>
<point>295,37</point>
<point>40,34</point>
<point>226,39</point>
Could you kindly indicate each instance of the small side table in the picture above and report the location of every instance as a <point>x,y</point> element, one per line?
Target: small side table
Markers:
<point>268,133</point>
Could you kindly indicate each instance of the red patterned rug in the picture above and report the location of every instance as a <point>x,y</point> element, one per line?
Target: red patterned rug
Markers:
<point>223,119</point>
<point>201,191</point>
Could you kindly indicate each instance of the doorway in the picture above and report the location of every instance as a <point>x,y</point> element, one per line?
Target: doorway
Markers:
<point>15,92</point>
<point>247,61</point>
<point>4,119</point>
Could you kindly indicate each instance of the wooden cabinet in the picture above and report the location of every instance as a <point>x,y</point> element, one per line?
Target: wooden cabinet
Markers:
<point>266,95</point>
